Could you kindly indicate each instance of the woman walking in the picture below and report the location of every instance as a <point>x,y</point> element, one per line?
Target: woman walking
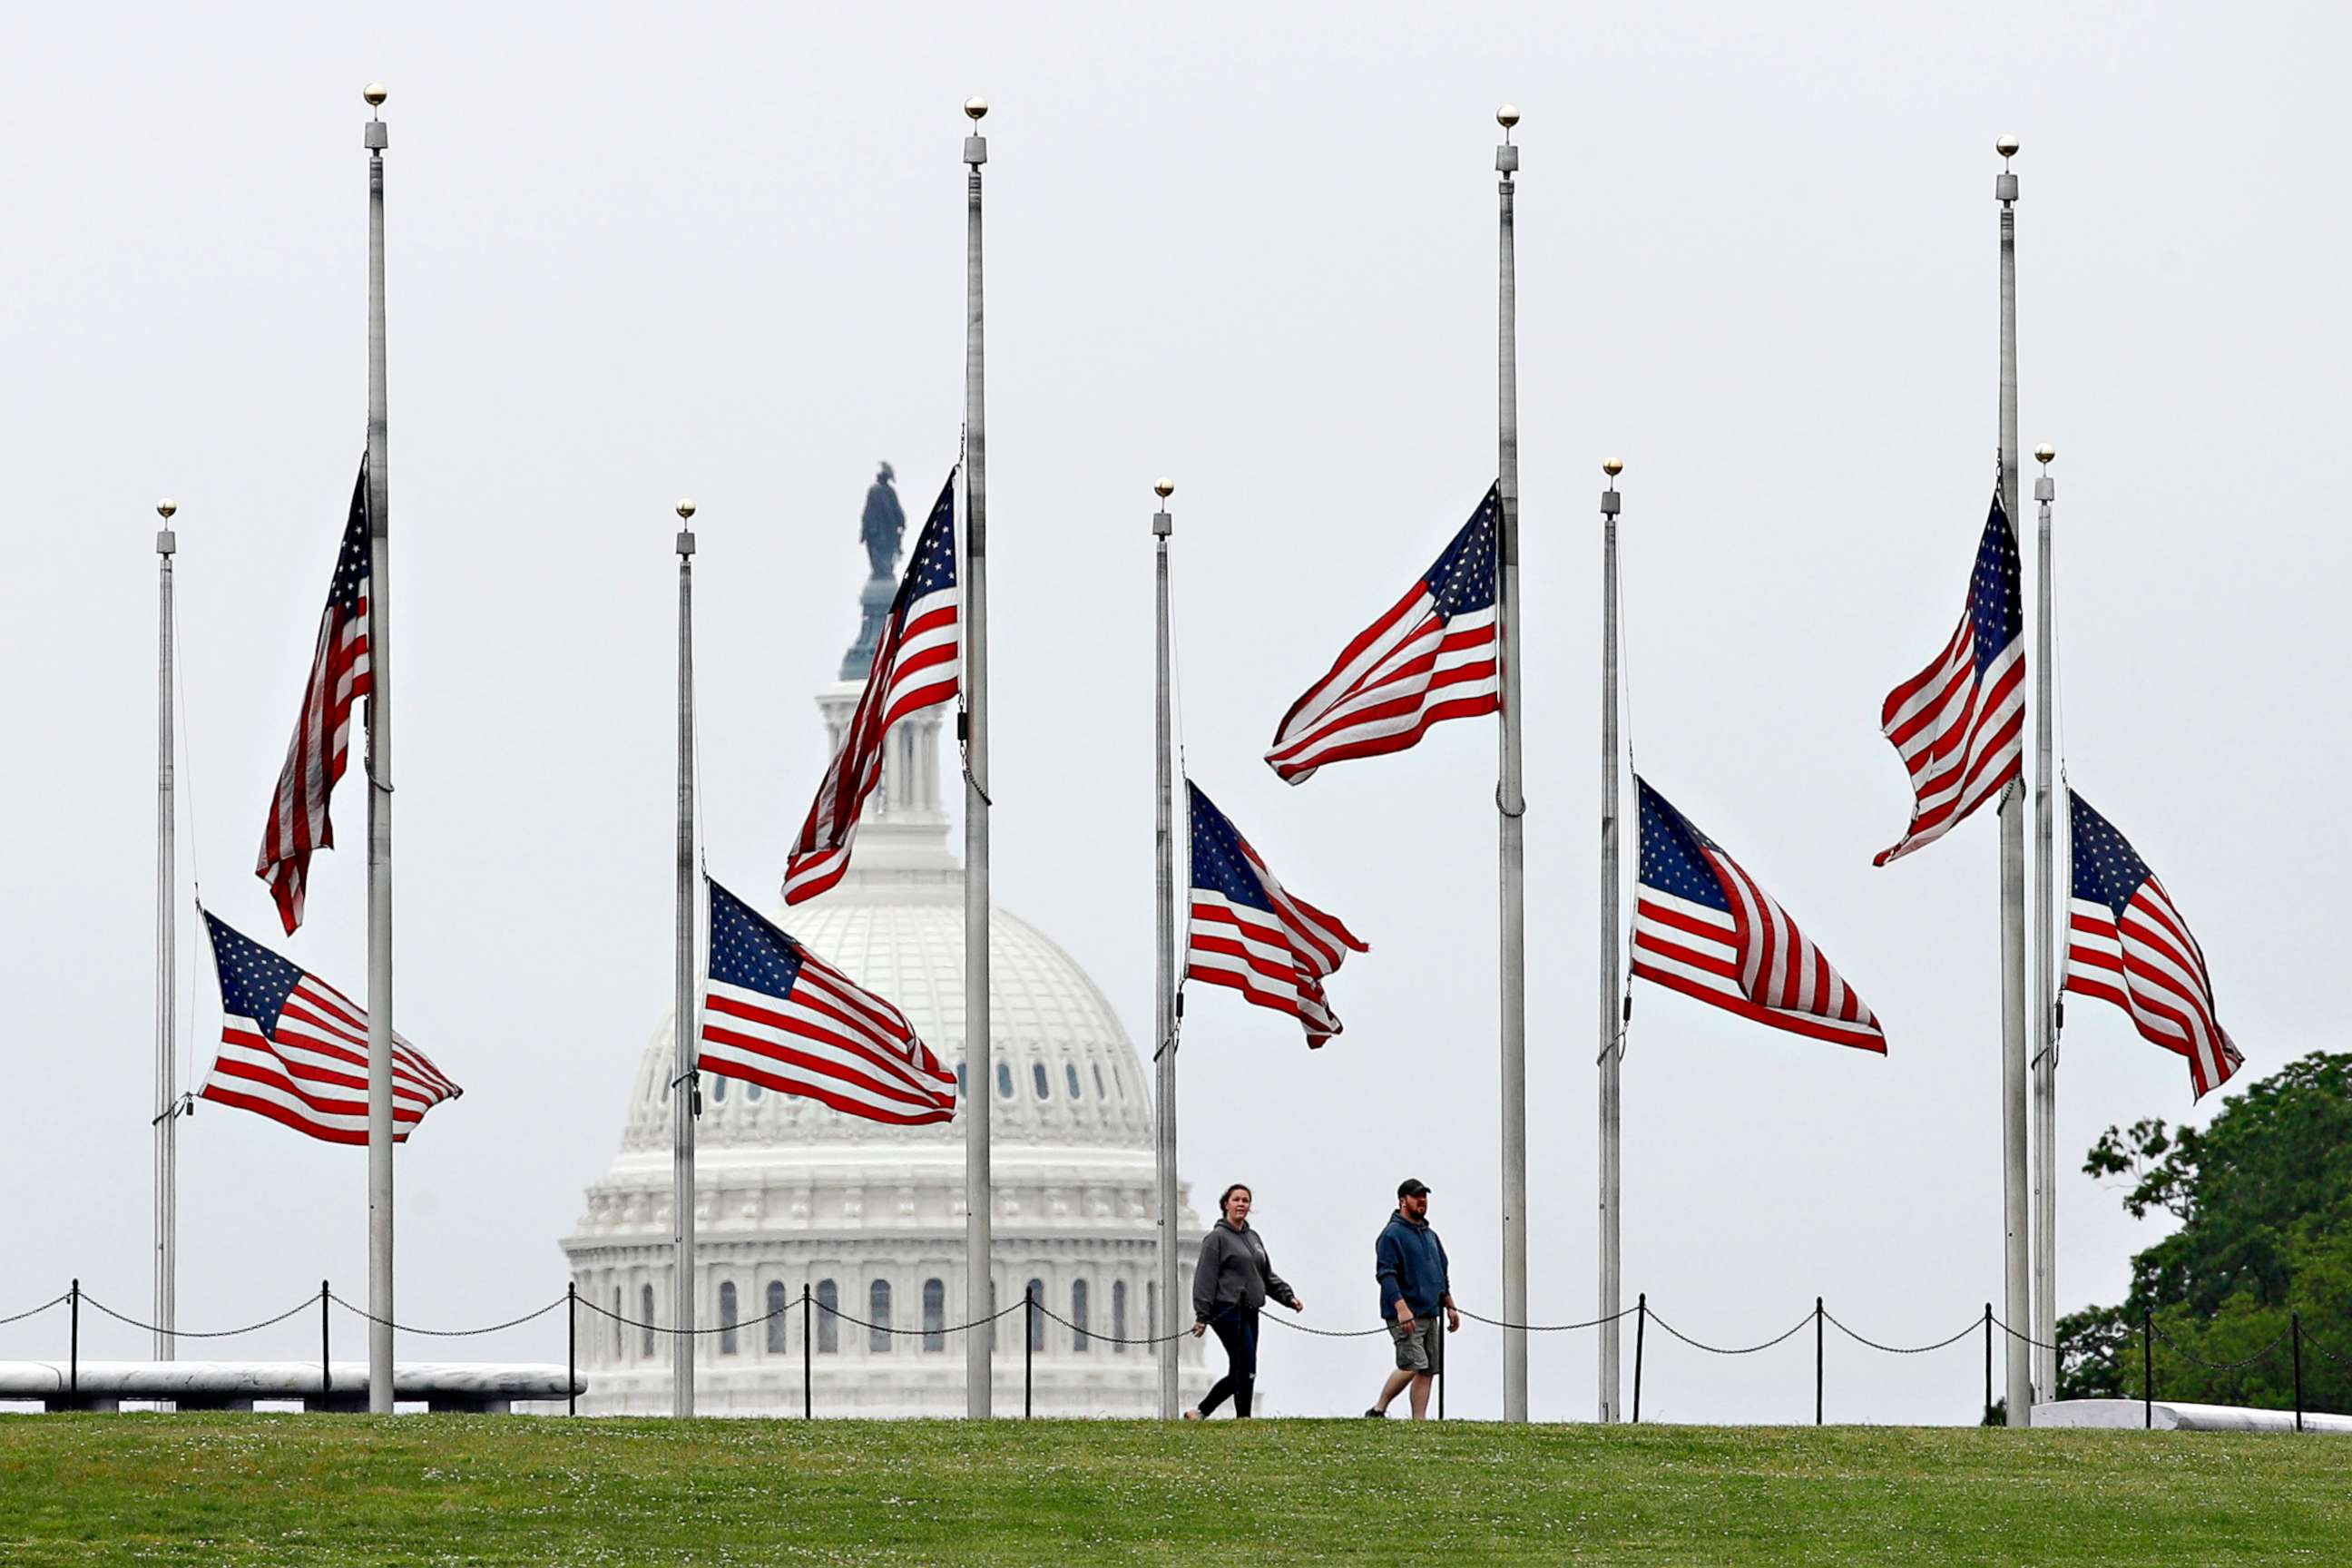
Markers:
<point>1229,1288</point>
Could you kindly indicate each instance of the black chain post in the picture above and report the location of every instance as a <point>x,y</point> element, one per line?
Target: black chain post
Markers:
<point>326,1378</point>
<point>808,1364</point>
<point>1817,1361</point>
<point>1987,1415</point>
<point>1028,1352</point>
<point>1640,1324</point>
<point>570,1347</point>
<point>73,1344</point>
<point>2294,1325</point>
<point>2148,1369</point>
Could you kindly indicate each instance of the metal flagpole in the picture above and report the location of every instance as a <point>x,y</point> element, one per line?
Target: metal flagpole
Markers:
<point>1511,806</point>
<point>2045,962</point>
<point>1164,994</point>
<point>979,1199</point>
<point>379,770</point>
<point>2016,1266</point>
<point>1612,1140</point>
<point>685,1088</point>
<point>167,958</point>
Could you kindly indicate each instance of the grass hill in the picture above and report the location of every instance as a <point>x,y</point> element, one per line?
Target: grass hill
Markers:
<point>238,1490</point>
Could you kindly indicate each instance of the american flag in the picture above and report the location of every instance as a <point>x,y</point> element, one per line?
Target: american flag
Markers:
<point>339,677</point>
<point>1960,723</point>
<point>778,1015</point>
<point>295,1050</point>
<point>1270,946</point>
<point>1702,926</point>
<point>2127,944</point>
<point>1431,658</point>
<point>916,661</point>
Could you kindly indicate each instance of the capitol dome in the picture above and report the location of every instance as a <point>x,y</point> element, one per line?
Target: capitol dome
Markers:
<point>792,1195</point>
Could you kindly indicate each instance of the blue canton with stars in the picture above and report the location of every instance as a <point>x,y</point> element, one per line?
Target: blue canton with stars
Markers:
<point>933,564</point>
<point>350,585</point>
<point>1462,579</point>
<point>254,981</point>
<point>1218,864</point>
<point>1672,860</point>
<point>2107,870</point>
<point>748,952</point>
<point>1996,599</point>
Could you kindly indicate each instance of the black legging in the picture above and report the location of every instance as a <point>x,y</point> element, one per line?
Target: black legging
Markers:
<point>1236,1329</point>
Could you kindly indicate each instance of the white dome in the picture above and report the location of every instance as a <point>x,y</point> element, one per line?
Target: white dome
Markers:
<point>793,1196</point>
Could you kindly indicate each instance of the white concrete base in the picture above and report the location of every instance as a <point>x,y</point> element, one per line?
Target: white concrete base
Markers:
<point>2173,1416</point>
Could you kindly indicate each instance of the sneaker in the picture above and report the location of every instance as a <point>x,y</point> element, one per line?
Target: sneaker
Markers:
<point>1194,1416</point>
<point>1377,1413</point>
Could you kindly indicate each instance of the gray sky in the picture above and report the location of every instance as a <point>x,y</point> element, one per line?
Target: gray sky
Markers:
<point>636,254</point>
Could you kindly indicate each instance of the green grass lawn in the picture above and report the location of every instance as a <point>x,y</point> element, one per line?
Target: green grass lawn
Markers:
<point>467,1489</point>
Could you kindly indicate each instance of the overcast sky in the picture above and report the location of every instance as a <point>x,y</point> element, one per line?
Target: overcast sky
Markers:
<point>641,252</point>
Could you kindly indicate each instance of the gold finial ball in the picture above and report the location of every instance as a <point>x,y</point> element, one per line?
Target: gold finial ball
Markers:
<point>2006,146</point>
<point>1613,466</point>
<point>165,508</point>
<point>1163,488</point>
<point>975,106</point>
<point>2046,454</point>
<point>1507,116</point>
<point>685,509</point>
<point>375,93</point>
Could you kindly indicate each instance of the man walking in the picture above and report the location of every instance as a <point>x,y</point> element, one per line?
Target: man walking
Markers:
<point>1409,1263</point>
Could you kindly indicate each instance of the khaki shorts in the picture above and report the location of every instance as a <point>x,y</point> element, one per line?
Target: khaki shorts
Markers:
<point>1416,1343</point>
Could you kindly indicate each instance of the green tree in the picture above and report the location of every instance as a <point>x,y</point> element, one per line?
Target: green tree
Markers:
<point>2264,1195</point>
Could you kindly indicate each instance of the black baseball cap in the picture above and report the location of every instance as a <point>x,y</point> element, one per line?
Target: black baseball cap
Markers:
<point>1412,1187</point>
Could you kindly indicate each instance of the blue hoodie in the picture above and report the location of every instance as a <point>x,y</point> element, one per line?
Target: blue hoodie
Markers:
<point>1409,1263</point>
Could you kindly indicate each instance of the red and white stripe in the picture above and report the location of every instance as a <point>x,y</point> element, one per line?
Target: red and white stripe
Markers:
<point>1279,962</point>
<point>312,1074</point>
<point>915,665</point>
<point>2150,966</point>
<point>1753,961</point>
<point>1962,740</point>
<point>1404,672</point>
<point>316,758</point>
<point>829,1040</point>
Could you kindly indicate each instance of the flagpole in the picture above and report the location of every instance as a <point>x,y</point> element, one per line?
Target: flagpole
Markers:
<point>685,1091</point>
<point>2045,963</point>
<point>167,1093</point>
<point>379,768</point>
<point>1510,805</point>
<point>2016,1266</point>
<point>978,1190</point>
<point>1164,993</point>
<point>1612,1131</point>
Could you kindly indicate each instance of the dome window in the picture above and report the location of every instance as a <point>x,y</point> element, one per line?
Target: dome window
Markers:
<point>718,1088</point>
<point>1100,1092</point>
<point>752,1091</point>
<point>646,1317</point>
<point>962,1088</point>
<point>1037,1077</point>
<point>620,1346</point>
<point>1078,1340</point>
<point>1036,1319</point>
<point>1070,1074</point>
<point>878,1318</point>
<point>1118,1316</point>
<point>935,1315</point>
<point>729,1315</point>
<point>828,1326</point>
<point>1004,1082</point>
<point>775,1317</point>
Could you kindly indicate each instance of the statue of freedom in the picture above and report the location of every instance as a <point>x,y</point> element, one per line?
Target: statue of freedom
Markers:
<point>884,525</point>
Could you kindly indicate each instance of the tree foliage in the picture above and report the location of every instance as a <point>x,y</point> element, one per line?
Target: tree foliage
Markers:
<point>2263,1198</point>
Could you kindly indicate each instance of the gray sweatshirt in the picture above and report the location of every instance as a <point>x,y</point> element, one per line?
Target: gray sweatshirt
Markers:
<point>1235,1271</point>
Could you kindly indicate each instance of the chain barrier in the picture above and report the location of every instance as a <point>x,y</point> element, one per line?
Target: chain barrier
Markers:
<point>2323,1350</point>
<point>37,1311</point>
<point>2022,1337</point>
<point>451,1333</point>
<point>302,1306</point>
<point>1976,1326</point>
<point>1111,1339</point>
<point>2260,1354</point>
<point>1549,1328</point>
<point>714,1329</point>
<point>1744,1350</point>
<point>837,1312</point>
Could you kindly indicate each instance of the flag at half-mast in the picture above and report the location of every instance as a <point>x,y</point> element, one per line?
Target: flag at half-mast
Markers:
<point>2127,944</point>
<point>295,1050</point>
<point>321,746</point>
<point>1704,927</point>
<point>918,659</point>
<point>1432,657</point>
<point>778,1015</point>
<point>1959,724</point>
<point>1246,932</point>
